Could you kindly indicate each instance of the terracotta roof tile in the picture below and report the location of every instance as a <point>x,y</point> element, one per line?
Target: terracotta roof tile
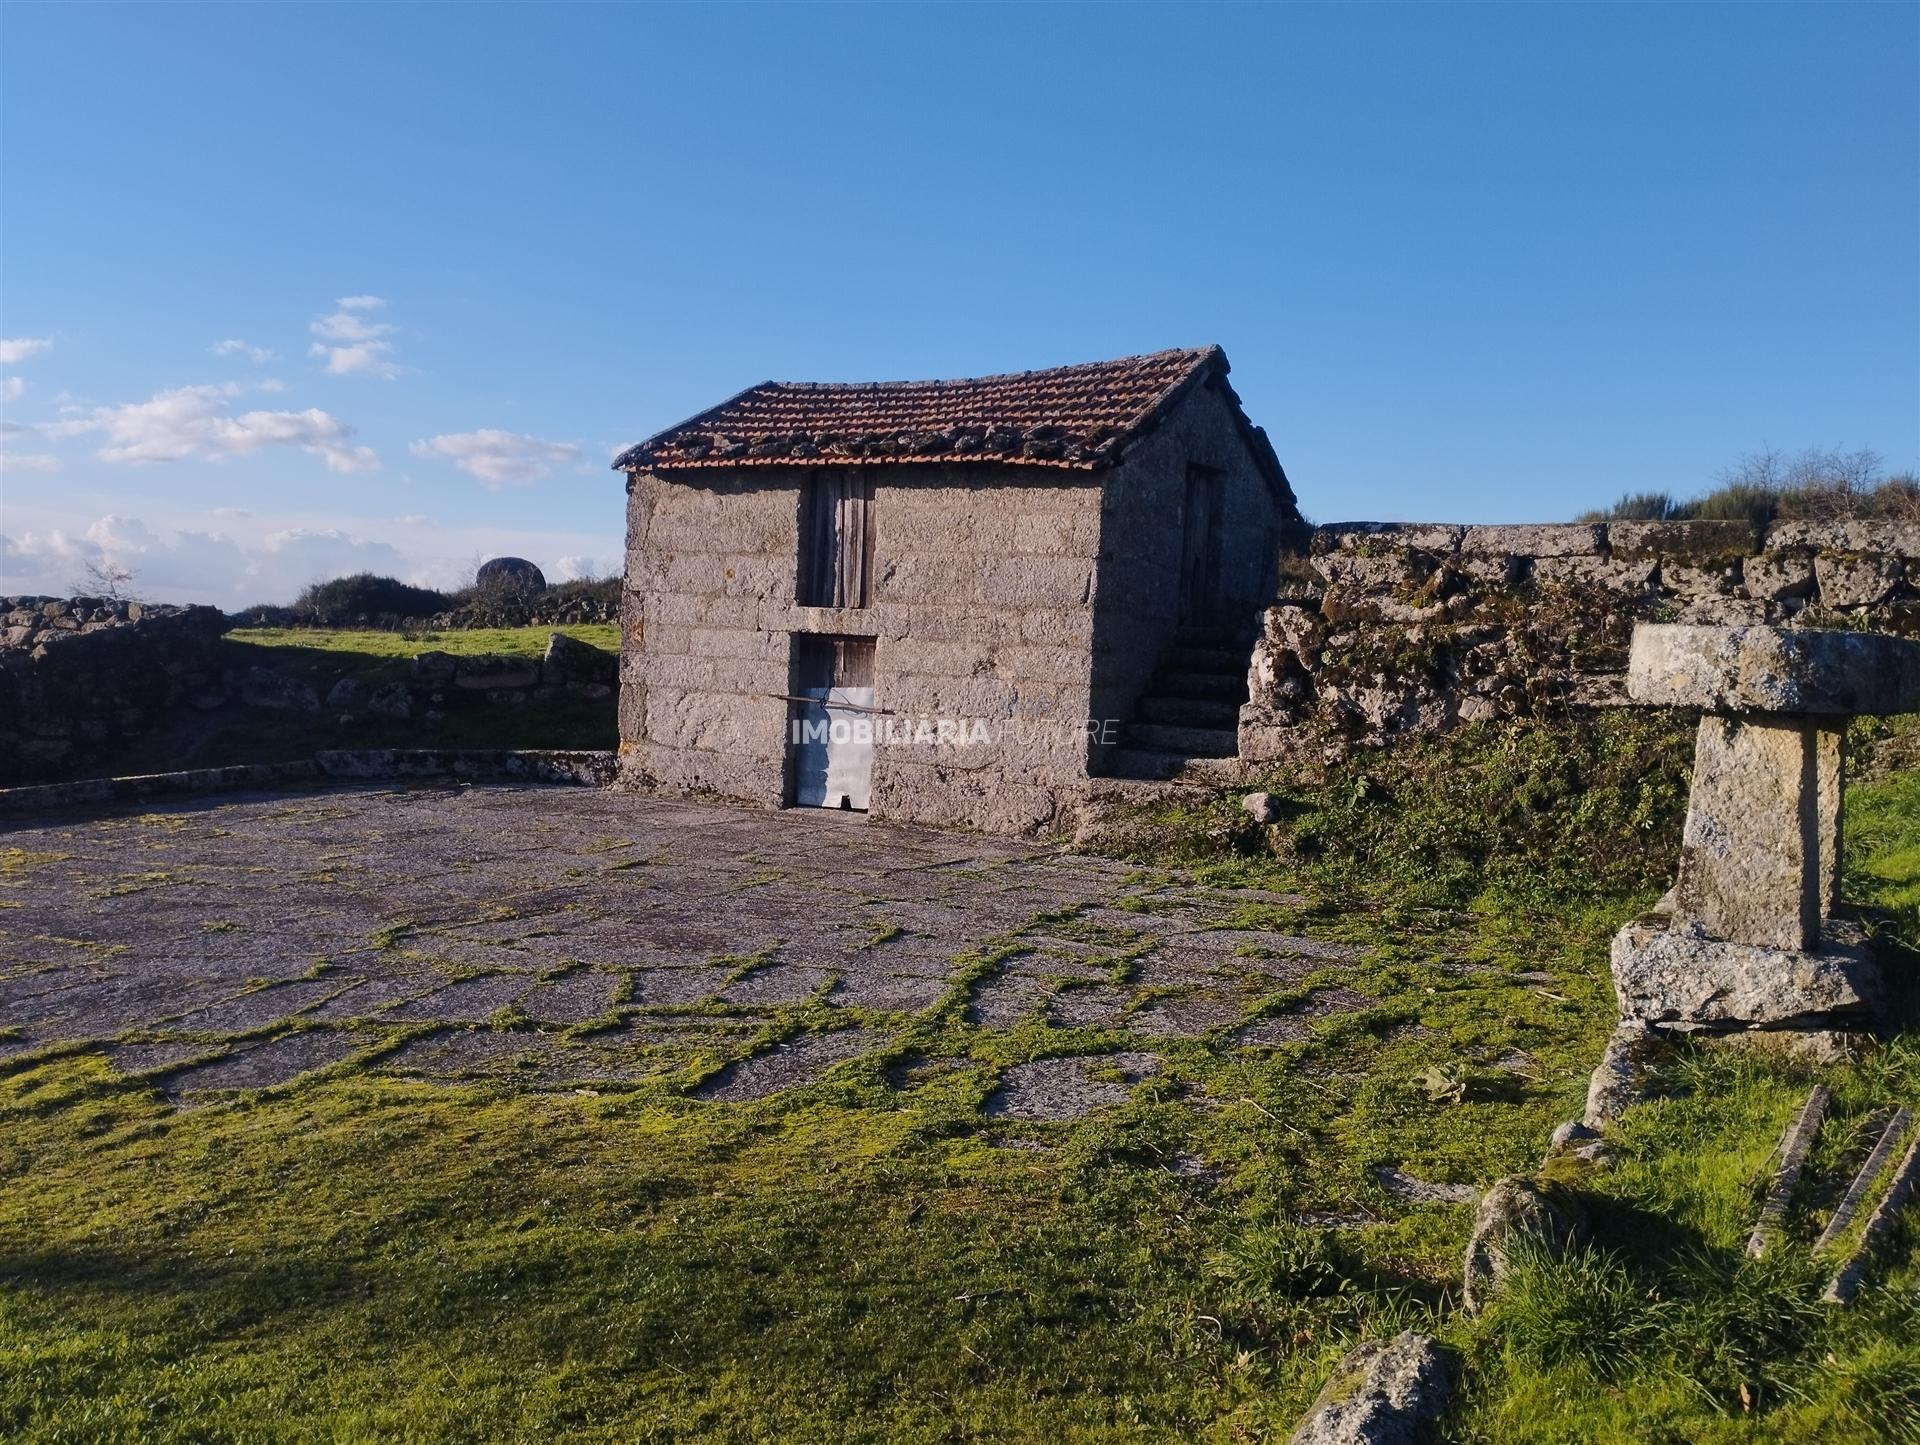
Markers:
<point>1069,416</point>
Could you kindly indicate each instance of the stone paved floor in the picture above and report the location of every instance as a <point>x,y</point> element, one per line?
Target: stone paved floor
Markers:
<point>566,937</point>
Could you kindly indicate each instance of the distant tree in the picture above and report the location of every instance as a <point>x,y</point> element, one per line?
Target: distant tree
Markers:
<point>105,578</point>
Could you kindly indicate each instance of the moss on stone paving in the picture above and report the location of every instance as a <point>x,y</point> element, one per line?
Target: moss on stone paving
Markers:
<point>873,1257</point>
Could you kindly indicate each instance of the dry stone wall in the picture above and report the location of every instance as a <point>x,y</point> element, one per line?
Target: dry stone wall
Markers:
<point>78,675</point>
<point>1384,630</point>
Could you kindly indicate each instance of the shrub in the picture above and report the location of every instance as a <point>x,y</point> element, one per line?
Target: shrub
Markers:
<point>1763,487</point>
<point>346,600</point>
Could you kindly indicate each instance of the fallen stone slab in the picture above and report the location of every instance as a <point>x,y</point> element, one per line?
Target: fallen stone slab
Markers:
<point>1846,1284</point>
<point>1891,1135</point>
<point>1383,1392</point>
<point>1795,1144</point>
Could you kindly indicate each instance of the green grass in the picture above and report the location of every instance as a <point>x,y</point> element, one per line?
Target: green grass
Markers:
<point>364,1258</point>
<point>316,652</point>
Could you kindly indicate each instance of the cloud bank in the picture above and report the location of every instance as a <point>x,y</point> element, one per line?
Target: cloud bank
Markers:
<point>498,458</point>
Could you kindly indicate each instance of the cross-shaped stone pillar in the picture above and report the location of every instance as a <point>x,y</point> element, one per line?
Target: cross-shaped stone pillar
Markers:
<point>1748,938</point>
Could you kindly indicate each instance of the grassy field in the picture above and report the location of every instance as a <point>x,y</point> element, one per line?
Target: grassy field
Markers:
<point>355,1258</point>
<point>321,657</point>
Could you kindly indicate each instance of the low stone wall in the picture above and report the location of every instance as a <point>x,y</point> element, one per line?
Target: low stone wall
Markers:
<point>567,768</point>
<point>78,675</point>
<point>1389,629</point>
<point>439,682</point>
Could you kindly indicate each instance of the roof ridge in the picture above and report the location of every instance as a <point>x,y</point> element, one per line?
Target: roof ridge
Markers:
<point>1198,353</point>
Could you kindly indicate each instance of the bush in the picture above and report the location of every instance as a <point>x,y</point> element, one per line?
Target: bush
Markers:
<point>1763,487</point>
<point>346,600</point>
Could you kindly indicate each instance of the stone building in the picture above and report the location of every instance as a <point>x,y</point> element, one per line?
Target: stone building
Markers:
<point>948,602</point>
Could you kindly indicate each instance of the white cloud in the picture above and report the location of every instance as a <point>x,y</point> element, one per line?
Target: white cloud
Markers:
<point>235,514</point>
<point>29,462</point>
<point>370,356</point>
<point>198,421</point>
<point>19,349</point>
<point>573,569</point>
<point>345,326</point>
<point>273,383</point>
<point>350,343</point>
<point>233,346</point>
<point>234,560</point>
<point>188,565</point>
<point>498,458</point>
<point>12,388</point>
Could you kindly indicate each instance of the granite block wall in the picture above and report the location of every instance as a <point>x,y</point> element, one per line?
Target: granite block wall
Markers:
<point>1387,629</point>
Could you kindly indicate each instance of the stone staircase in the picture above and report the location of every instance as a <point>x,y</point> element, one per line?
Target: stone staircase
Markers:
<point>1190,712</point>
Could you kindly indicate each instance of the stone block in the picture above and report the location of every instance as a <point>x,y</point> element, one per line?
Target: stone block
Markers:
<point>1699,543</point>
<point>577,661</point>
<point>1614,573</point>
<point>1773,669</point>
<point>1848,580</point>
<point>928,578</point>
<point>1775,577</point>
<point>1551,539</point>
<point>1896,539</point>
<point>1370,536</point>
<point>1025,583</point>
<point>1047,664</point>
<point>1058,627</point>
<point>1374,572</point>
<point>1056,534</point>
<point>1758,855</point>
<point>1665,972</point>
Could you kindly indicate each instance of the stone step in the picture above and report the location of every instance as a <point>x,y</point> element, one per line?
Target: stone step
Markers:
<point>1189,711</point>
<point>1191,742</point>
<point>1148,763</point>
<point>1225,687</point>
<point>1206,659</point>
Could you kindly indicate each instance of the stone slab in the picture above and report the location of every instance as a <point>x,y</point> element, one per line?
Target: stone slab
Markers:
<point>1796,671</point>
<point>1667,973</point>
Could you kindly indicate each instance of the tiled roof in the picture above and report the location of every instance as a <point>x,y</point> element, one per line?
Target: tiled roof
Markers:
<point>1069,416</point>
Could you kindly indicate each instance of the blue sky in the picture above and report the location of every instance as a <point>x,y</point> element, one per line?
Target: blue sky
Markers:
<point>1481,263</point>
